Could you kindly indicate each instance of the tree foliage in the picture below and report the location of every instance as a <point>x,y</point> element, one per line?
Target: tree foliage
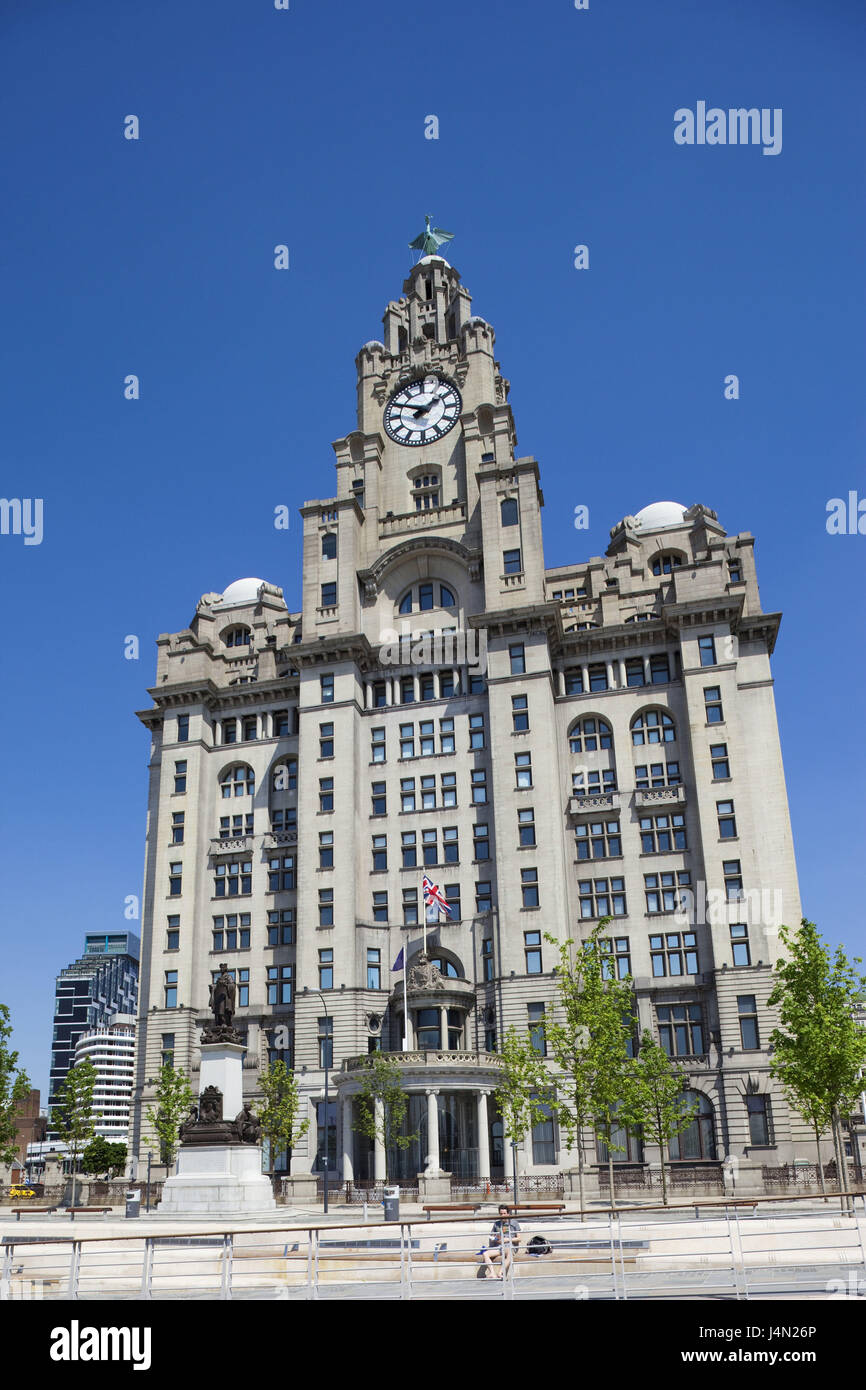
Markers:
<point>655,1103</point>
<point>101,1156</point>
<point>382,1104</point>
<point>524,1087</point>
<point>14,1088</point>
<point>72,1112</point>
<point>279,1114</point>
<point>172,1101</point>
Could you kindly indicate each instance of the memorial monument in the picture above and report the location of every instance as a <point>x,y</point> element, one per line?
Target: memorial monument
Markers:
<point>219,1161</point>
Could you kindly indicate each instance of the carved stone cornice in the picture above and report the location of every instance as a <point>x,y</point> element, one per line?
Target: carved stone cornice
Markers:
<point>424,543</point>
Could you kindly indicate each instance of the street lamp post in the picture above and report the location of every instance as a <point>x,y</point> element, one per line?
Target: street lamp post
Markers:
<point>328,1039</point>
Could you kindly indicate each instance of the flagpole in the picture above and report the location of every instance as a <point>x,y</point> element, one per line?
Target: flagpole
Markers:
<point>405,998</point>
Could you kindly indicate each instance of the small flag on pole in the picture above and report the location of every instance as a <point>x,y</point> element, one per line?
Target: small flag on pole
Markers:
<point>434,900</point>
<point>398,964</point>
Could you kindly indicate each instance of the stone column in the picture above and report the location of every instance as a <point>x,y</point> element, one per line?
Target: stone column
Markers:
<point>483,1136</point>
<point>584,670</point>
<point>348,1168</point>
<point>443,1028</point>
<point>646,670</point>
<point>610,682</point>
<point>378,1147</point>
<point>622,675</point>
<point>433,1131</point>
<point>368,695</point>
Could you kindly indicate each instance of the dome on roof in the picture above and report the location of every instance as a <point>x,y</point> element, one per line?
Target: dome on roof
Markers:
<point>660,514</point>
<point>242,591</point>
<point>373,343</point>
<point>426,260</point>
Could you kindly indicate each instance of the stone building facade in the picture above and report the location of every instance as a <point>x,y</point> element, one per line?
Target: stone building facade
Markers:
<point>549,745</point>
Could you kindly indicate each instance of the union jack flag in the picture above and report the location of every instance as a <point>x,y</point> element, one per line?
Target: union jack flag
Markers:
<point>434,899</point>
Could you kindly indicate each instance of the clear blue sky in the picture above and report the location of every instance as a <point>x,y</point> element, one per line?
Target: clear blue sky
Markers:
<point>306,127</point>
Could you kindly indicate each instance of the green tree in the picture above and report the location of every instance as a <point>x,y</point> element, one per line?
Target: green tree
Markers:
<point>72,1113</point>
<point>101,1156</point>
<point>819,1048</point>
<point>172,1101</point>
<point>588,1041</point>
<point>382,1104</point>
<point>278,1116</point>
<point>14,1088</point>
<point>523,1089</point>
<point>655,1102</point>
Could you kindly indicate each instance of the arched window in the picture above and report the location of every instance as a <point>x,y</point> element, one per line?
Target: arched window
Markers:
<point>239,780</point>
<point>590,734</point>
<point>445,967</point>
<point>425,490</point>
<point>285,776</point>
<point>641,617</point>
<point>699,1140</point>
<point>663,564</point>
<point>430,594</point>
<point>329,545</point>
<point>237,637</point>
<point>508,511</point>
<point>652,726</point>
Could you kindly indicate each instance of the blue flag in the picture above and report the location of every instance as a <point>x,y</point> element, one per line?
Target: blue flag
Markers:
<point>398,964</point>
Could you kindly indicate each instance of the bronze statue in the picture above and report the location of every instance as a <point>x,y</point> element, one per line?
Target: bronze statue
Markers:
<point>188,1124</point>
<point>222,997</point>
<point>249,1129</point>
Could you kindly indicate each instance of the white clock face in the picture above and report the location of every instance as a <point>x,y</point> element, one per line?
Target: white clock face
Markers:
<point>423,411</point>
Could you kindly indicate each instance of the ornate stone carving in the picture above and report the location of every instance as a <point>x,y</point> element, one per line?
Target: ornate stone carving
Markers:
<point>210,1105</point>
<point>424,974</point>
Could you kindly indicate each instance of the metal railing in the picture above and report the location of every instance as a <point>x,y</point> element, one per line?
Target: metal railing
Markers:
<point>738,1250</point>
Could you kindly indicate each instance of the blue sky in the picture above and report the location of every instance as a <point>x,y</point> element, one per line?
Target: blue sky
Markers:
<point>306,127</point>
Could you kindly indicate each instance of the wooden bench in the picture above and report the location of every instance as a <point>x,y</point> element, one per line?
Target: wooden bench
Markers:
<point>40,1210</point>
<point>452,1206</point>
<point>530,1208</point>
<point>72,1212</point>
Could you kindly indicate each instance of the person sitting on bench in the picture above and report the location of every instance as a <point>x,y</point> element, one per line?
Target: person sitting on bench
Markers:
<point>504,1240</point>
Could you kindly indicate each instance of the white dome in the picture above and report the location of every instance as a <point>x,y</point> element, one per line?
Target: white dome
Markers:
<point>373,343</point>
<point>242,591</point>
<point>660,514</point>
<point>426,260</point>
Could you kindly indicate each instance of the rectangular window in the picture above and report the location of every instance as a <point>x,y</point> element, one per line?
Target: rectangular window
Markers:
<point>574,682</point>
<point>326,741</point>
<point>378,799</point>
<point>664,891</point>
<point>598,839</point>
<point>426,742</point>
<point>740,943</point>
<point>477,685</point>
<point>428,793</point>
<point>479,786</point>
<point>167,1050</point>
<point>446,685</point>
<point>598,676</point>
<point>326,793</point>
<point>326,911</point>
<point>407,690</point>
<point>448,786</point>
<point>674,953</point>
<point>232,932</point>
<point>329,595</point>
<point>532,952</point>
<point>183,728</point>
<point>180,778</point>
<point>721,766</point>
<point>175,880</point>
<point>230,731</point>
<point>592,783</point>
<point>326,849</point>
<point>659,669</point>
<point>602,897</point>
<point>177,827</point>
<point>476,731</point>
<point>483,896</point>
<point>529,887</point>
<point>735,572</point>
<point>634,671</point>
<point>281,927</point>
<point>326,1044</point>
<point>409,849</point>
<point>380,907</point>
<point>544,1138</point>
<point>517,658</point>
<point>511,562</point>
<point>380,695</point>
<point>281,723</point>
<point>733,881</point>
<point>526,826</point>
<point>450,845</point>
<point>758,1108</point>
<point>713,704</point>
<point>281,873</point>
<point>377,749</point>
<point>430,849</point>
<point>727,820</point>
<point>171,989</point>
<point>480,842</point>
<point>380,853</point>
<point>327,689</point>
<point>662,834</point>
<point>535,1018</point>
<point>648,775</point>
<point>747,1012</point>
<point>283,822</point>
<point>707,649</point>
<point>681,1029</point>
<point>250,728</point>
<point>374,968</point>
<point>487,958</point>
<point>172,942</point>
<point>452,897</point>
<point>523,769</point>
<point>279,982</point>
<point>616,962</point>
<point>446,735</point>
<point>238,827</point>
<point>326,969</point>
<point>407,794</point>
<point>427,687</point>
<point>410,907</point>
<point>407,740</point>
<point>520,713</point>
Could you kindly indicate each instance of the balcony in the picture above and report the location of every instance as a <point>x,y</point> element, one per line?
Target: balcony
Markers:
<point>232,844</point>
<point>466,1070</point>
<point>277,839</point>
<point>599,801</point>
<point>422,520</point>
<point>660,796</point>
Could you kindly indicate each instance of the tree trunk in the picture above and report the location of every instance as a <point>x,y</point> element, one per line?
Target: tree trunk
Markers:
<point>580,1170</point>
<point>841,1161</point>
<point>820,1163</point>
<point>664,1175</point>
<point>610,1171</point>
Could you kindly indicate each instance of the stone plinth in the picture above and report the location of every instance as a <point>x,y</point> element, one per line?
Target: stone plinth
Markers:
<point>216,1180</point>
<point>434,1187</point>
<point>222,1066</point>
